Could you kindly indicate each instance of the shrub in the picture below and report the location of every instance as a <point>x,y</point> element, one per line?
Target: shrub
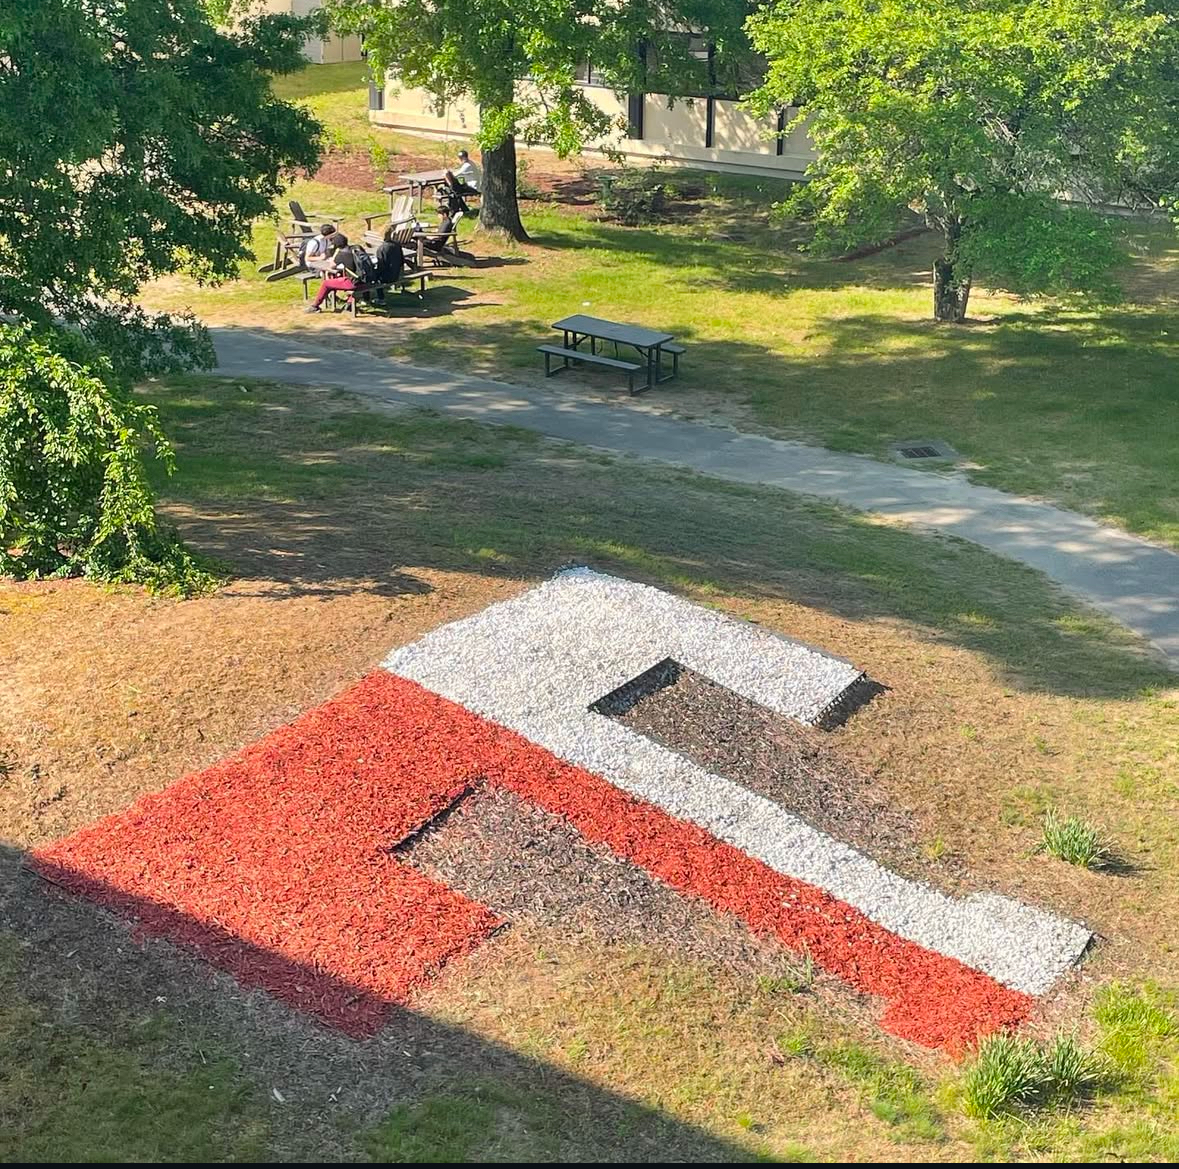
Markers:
<point>1070,1071</point>
<point>1073,840</point>
<point>1007,1072</point>
<point>75,499</point>
<point>633,197</point>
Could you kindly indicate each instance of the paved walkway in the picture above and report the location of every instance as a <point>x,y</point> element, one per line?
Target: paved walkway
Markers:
<point>1128,578</point>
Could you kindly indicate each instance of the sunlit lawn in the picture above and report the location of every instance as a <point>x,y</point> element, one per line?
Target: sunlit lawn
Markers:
<point>1075,404</point>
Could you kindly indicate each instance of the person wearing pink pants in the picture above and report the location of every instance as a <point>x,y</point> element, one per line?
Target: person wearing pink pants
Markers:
<point>341,260</point>
<point>331,284</point>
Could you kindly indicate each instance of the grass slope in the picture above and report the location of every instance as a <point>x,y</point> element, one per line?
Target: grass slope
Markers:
<point>351,530</point>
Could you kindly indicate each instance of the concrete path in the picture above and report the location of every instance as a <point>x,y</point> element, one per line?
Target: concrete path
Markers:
<point>1128,578</point>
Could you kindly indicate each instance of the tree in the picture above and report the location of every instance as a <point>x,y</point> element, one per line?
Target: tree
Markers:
<point>136,141</point>
<point>979,115</point>
<point>484,49</point>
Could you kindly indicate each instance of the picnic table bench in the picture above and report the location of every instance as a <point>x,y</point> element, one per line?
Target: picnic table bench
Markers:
<point>650,345</point>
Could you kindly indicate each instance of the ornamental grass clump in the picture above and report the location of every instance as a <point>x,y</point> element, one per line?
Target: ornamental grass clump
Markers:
<point>1074,840</point>
<point>1010,1073</point>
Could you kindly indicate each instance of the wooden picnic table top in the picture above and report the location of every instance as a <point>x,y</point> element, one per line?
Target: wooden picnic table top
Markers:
<point>613,331</point>
<point>422,178</point>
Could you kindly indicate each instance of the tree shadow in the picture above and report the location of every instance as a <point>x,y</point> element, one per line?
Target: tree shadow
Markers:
<point>731,253</point>
<point>88,974</point>
<point>300,488</point>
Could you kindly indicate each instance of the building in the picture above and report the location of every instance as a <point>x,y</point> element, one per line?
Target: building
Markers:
<point>319,51</point>
<point>710,133</point>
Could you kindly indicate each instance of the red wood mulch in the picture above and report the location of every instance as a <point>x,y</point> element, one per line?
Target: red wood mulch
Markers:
<point>275,865</point>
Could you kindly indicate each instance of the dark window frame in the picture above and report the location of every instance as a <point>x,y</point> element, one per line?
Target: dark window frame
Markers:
<point>587,76</point>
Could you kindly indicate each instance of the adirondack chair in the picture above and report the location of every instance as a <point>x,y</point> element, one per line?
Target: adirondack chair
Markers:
<point>308,222</point>
<point>289,245</point>
<point>288,256</point>
<point>447,255</point>
<point>399,210</point>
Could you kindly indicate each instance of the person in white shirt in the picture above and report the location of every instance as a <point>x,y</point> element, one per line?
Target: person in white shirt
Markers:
<point>466,178</point>
<point>317,250</point>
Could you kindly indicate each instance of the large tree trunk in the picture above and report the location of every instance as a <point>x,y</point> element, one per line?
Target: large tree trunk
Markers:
<point>951,285</point>
<point>499,210</point>
<point>951,291</point>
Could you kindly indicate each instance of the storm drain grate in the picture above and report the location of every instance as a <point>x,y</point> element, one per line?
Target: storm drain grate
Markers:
<point>916,449</point>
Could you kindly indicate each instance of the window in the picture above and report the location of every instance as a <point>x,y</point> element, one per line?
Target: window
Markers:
<point>586,74</point>
<point>635,105</point>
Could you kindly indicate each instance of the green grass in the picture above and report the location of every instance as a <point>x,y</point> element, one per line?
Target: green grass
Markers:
<point>70,1094</point>
<point>1125,1105</point>
<point>1073,404</point>
<point>484,1121</point>
<point>1074,840</point>
<point>893,1092</point>
<point>258,441</point>
<point>337,94</point>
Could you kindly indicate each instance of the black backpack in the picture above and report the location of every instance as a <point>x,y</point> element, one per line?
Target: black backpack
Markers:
<point>363,266</point>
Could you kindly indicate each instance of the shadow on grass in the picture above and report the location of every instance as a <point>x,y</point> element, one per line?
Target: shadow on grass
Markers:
<point>1067,404</point>
<point>162,1019</point>
<point>738,254</point>
<point>306,492</point>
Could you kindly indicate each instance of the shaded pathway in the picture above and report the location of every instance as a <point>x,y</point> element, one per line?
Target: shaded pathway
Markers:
<point>1122,575</point>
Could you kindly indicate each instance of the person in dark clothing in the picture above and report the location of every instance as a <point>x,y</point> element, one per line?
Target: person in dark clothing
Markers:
<point>390,256</point>
<point>343,263</point>
<point>389,261</point>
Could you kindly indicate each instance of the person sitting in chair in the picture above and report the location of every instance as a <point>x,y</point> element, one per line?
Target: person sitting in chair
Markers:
<point>337,271</point>
<point>318,248</point>
<point>449,207</point>
<point>466,178</point>
<point>389,260</point>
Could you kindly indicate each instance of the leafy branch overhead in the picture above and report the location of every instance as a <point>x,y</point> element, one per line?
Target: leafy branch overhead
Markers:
<point>137,141</point>
<point>1007,124</point>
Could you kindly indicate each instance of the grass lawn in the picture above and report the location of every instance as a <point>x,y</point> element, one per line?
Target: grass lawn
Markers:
<point>351,531</point>
<point>1077,405</point>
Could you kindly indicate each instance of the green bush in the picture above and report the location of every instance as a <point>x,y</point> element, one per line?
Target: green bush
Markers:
<point>1007,1072</point>
<point>75,499</point>
<point>1073,840</point>
<point>633,197</point>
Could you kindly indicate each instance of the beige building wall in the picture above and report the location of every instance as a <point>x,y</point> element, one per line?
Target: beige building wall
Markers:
<point>674,133</point>
<point>318,51</point>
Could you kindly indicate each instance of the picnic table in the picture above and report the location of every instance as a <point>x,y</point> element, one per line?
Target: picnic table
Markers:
<point>650,344</point>
<point>417,184</point>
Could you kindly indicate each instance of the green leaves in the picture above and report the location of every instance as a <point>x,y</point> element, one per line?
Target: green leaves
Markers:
<point>980,115</point>
<point>74,492</point>
<point>136,141</point>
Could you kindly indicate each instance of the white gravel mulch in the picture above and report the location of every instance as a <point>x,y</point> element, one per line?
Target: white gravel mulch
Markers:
<point>538,662</point>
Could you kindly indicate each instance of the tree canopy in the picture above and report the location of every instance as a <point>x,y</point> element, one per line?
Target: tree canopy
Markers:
<point>482,49</point>
<point>1007,124</point>
<point>136,141</point>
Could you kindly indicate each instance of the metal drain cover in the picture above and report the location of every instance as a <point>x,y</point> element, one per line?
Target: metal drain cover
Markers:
<point>919,450</point>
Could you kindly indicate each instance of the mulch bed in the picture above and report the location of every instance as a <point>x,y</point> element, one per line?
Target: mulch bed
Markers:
<point>352,169</point>
<point>276,865</point>
<point>532,867</point>
<point>776,757</point>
